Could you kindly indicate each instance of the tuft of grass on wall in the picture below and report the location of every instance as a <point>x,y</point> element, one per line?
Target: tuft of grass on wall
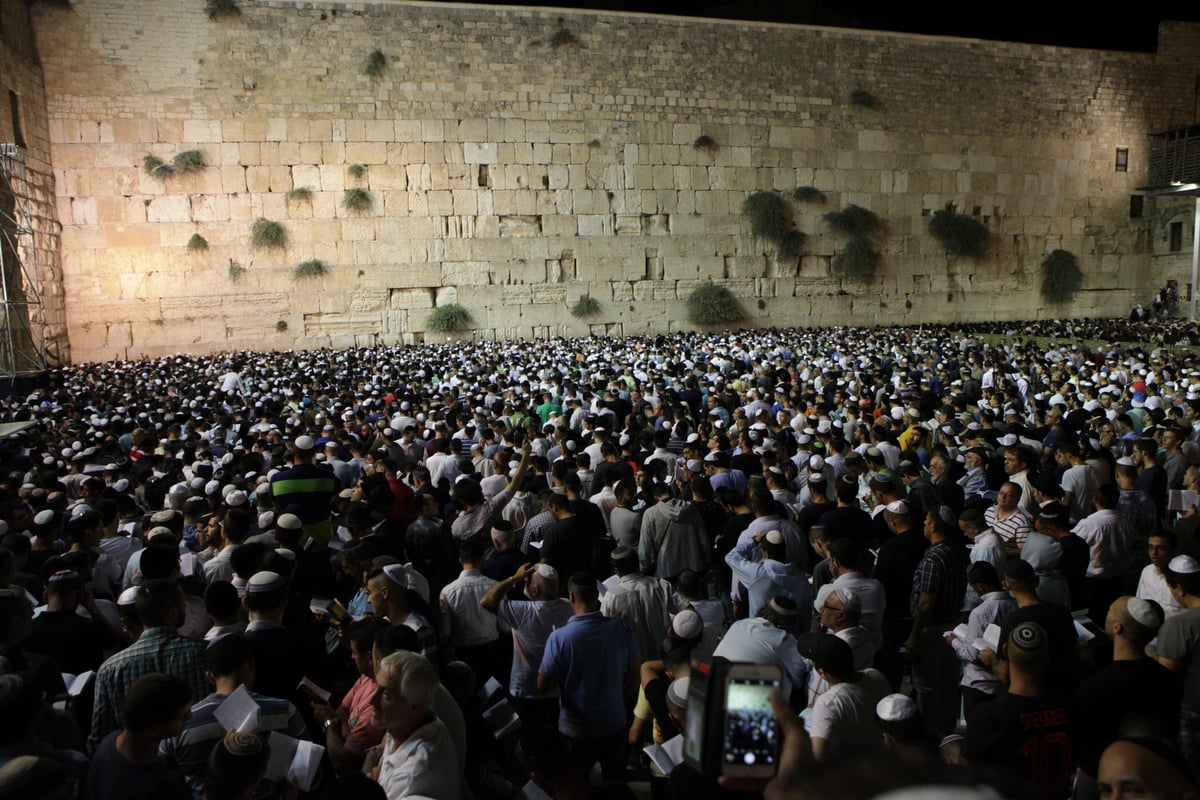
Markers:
<point>313,268</point>
<point>268,233</point>
<point>712,304</point>
<point>155,167</point>
<point>375,64</point>
<point>281,326</point>
<point>236,271</point>
<point>808,194</point>
<point>299,194</point>
<point>857,259</point>
<point>189,161</point>
<point>357,171</point>
<point>586,306</point>
<point>706,143</point>
<point>1061,277</point>
<point>959,234</point>
<point>357,201</point>
<point>197,243</point>
<point>449,318</point>
<point>564,38</point>
<point>222,8</point>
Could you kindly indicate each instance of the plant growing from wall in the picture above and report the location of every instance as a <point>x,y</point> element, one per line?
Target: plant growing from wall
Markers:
<point>375,65</point>
<point>712,304</point>
<point>222,8</point>
<point>313,268</point>
<point>854,221</point>
<point>706,143</point>
<point>808,194</point>
<point>770,218</point>
<point>449,318</point>
<point>357,171</point>
<point>857,259</point>
<point>564,38</point>
<point>155,167</point>
<point>236,271</point>
<point>585,307</point>
<point>1061,277</point>
<point>357,201</point>
<point>959,234</point>
<point>864,99</point>
<point>189,161</point>
<point>299,194</point>
<point>197,243</point>
<point>268,233</point>
<point>281,326</point>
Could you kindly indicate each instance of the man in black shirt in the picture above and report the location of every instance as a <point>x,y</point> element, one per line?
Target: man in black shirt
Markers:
<point>1132,685</point>
<point>1027,731</point>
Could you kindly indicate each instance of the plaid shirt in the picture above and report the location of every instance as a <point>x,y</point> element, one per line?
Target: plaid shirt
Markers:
<point>942,571</point>
<point>158,649</point>
<point>535,531</point>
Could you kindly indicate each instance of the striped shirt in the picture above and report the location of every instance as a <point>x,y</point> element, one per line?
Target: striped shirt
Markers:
<point>1013,529</point>
<point>189,751</point>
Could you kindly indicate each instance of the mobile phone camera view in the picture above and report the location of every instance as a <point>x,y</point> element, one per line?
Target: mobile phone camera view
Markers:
<point>751,730</point>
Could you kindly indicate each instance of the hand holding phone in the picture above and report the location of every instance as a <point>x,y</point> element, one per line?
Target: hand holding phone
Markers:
<point>750,746</point>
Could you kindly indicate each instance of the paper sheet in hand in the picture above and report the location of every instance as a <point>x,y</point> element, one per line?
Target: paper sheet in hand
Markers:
<point>1083,625</point>
<point>293,760</point>
<point>239,712</point>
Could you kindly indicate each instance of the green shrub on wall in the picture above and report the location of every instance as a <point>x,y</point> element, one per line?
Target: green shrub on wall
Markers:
<point>222,8</point>
<point>770,218</point>
<point>959,234</point>
<point>189,161</point>
<point>268,233</point>
<point>1061,277</point>
<point>855,222</point>
<point>313,268</point>
<point>449,318</point>
<point>375,64</point>
<point>712,304</point>
<point>197,243</point>
<point>586,306</point>
<point>857,259</point>
<point>357,201</point>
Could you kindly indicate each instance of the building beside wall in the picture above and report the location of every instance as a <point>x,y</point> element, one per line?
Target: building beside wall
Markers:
<point>514,160</point>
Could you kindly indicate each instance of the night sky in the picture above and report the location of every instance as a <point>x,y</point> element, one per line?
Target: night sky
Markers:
<point>1131,27</point>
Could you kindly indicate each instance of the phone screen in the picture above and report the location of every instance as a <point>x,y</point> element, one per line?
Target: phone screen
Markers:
<point>751,730</point>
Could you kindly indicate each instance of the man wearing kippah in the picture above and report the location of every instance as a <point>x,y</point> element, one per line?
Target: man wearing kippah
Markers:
<point>1026,731</point>
<point>1132,686</point>
<point>1179,650</point>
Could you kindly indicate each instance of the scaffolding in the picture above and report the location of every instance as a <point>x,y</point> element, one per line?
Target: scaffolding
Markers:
<point>27,237</point>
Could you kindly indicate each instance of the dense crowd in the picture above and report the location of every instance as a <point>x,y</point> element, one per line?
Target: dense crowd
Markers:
<point>489,569</point>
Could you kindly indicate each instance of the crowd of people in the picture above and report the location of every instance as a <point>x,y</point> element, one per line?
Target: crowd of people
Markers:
<point>488,569</point>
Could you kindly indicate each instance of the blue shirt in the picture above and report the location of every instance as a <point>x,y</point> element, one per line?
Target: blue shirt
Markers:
<point>588,659</point>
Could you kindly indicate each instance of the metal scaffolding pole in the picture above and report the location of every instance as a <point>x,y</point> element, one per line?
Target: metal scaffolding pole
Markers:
<point>24,236</point>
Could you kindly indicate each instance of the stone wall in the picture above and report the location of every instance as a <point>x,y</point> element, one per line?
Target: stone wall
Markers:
<point>33,181</point>
<point>518,159</point>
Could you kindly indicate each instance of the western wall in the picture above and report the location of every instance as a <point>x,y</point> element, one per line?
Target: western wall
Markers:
<point>517,159</point>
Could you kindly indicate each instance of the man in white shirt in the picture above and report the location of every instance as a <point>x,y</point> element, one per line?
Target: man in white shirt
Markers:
<point>1108,535</point>
<point>843,717</point>
<point>418,756</point>
<point>846,559</point>
<point>469,627</point>
<point>1162,546</point>
<point>643,602</point>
